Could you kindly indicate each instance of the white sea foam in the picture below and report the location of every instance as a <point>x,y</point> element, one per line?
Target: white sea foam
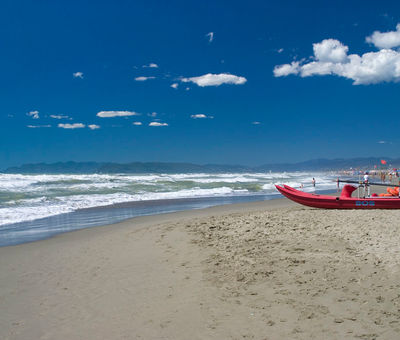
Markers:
<point>29,197</point>
<point>31,209</point>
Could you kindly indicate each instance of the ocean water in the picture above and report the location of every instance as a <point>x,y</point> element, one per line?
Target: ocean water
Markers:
<point>38,206</point>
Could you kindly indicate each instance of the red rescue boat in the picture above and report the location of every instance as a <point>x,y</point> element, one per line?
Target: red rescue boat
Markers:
<point>344,201</point>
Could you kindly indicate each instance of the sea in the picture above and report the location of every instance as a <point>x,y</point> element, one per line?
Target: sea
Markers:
<point>39,206</point>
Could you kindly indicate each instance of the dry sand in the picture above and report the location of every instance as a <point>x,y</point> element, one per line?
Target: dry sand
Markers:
<point>267,270</point>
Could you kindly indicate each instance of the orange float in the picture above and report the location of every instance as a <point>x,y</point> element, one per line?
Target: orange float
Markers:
<point>393,191</point>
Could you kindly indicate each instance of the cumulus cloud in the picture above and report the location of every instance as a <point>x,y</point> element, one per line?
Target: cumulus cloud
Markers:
<point>157,124</point>
<point>286,69</point>
<point>174,85</point>
<point>256,123</point>
<point>142,78</point>
<point>210,79</point>
<point>330,50</point>
<point>33,114</point>
<point>60,117</point>
<point>38,126</point>
<point>78,75</point>
<point>137,123</point>
<point>331,58</point>
<point>201,116</point>
<point>71,126</point>
<point>151,65</point>
<point>210,36</point>
<point>111,114</point>
<point>386,39</point>
<point>93,126</point>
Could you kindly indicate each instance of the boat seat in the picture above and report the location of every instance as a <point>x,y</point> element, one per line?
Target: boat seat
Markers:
<point>347,190</point>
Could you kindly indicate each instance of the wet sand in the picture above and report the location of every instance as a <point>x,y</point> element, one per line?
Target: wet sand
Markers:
<point>264,270</point>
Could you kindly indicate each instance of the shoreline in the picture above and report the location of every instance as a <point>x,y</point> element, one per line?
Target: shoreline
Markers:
<point>98,216</point>
<point>145,220</point>
<point>37,207</point>
<point>72,221</point>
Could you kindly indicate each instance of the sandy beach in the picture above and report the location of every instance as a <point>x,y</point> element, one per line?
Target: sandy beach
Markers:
<point>264,270</point>
<point>152,153</point>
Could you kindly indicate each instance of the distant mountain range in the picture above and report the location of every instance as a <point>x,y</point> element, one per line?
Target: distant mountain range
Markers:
<point>136,167</point>
<point>158,167</point>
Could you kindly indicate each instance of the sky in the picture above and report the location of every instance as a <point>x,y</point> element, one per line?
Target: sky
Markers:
<point>232,82</point>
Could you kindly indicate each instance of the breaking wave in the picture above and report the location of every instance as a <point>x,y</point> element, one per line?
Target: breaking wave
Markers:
<point>30,197</point>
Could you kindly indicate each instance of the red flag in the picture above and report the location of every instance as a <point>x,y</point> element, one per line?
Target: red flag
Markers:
<point>383,161</point>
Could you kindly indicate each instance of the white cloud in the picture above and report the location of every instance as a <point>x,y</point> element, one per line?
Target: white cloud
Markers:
<point>137,123</point>
<point>210,79</point>
<point>38,126</point>
<point>201,116</point>
<point>93,126</point>
<point>286,69</point>
<point>280,50</point>
<point>33,114</point>
<point>78,75</point>
<point>330,50</point>
<point>256,123</point>
<point>330,58</point>
<point>59,117</point>
<point>71,126</point>
<point>153,114</point>
<point>316,68</point>
<point>142,78</point>
<point>385,40</point>
<point>110,114</point>
<point>210,36</point>
<point>158,124</point>
<point>174,85</point>
<point>151,65</point>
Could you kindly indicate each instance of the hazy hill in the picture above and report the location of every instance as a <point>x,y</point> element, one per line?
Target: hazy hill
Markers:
<point>158,167</point>
<point>136,167</point>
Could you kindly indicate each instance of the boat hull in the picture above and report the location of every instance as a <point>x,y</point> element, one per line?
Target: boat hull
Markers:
<point>332,202</point>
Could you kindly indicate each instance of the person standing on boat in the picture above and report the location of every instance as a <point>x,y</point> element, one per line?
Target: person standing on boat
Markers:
<point>366,184</point>
<point>313,182</point>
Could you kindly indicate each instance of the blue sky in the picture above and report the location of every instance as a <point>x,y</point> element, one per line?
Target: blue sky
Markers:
<point>204,79</point>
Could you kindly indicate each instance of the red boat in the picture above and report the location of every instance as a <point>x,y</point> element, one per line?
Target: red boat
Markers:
<point>344,201</point>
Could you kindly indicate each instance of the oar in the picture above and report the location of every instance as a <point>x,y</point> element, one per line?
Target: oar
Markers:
<point>369,183</point>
